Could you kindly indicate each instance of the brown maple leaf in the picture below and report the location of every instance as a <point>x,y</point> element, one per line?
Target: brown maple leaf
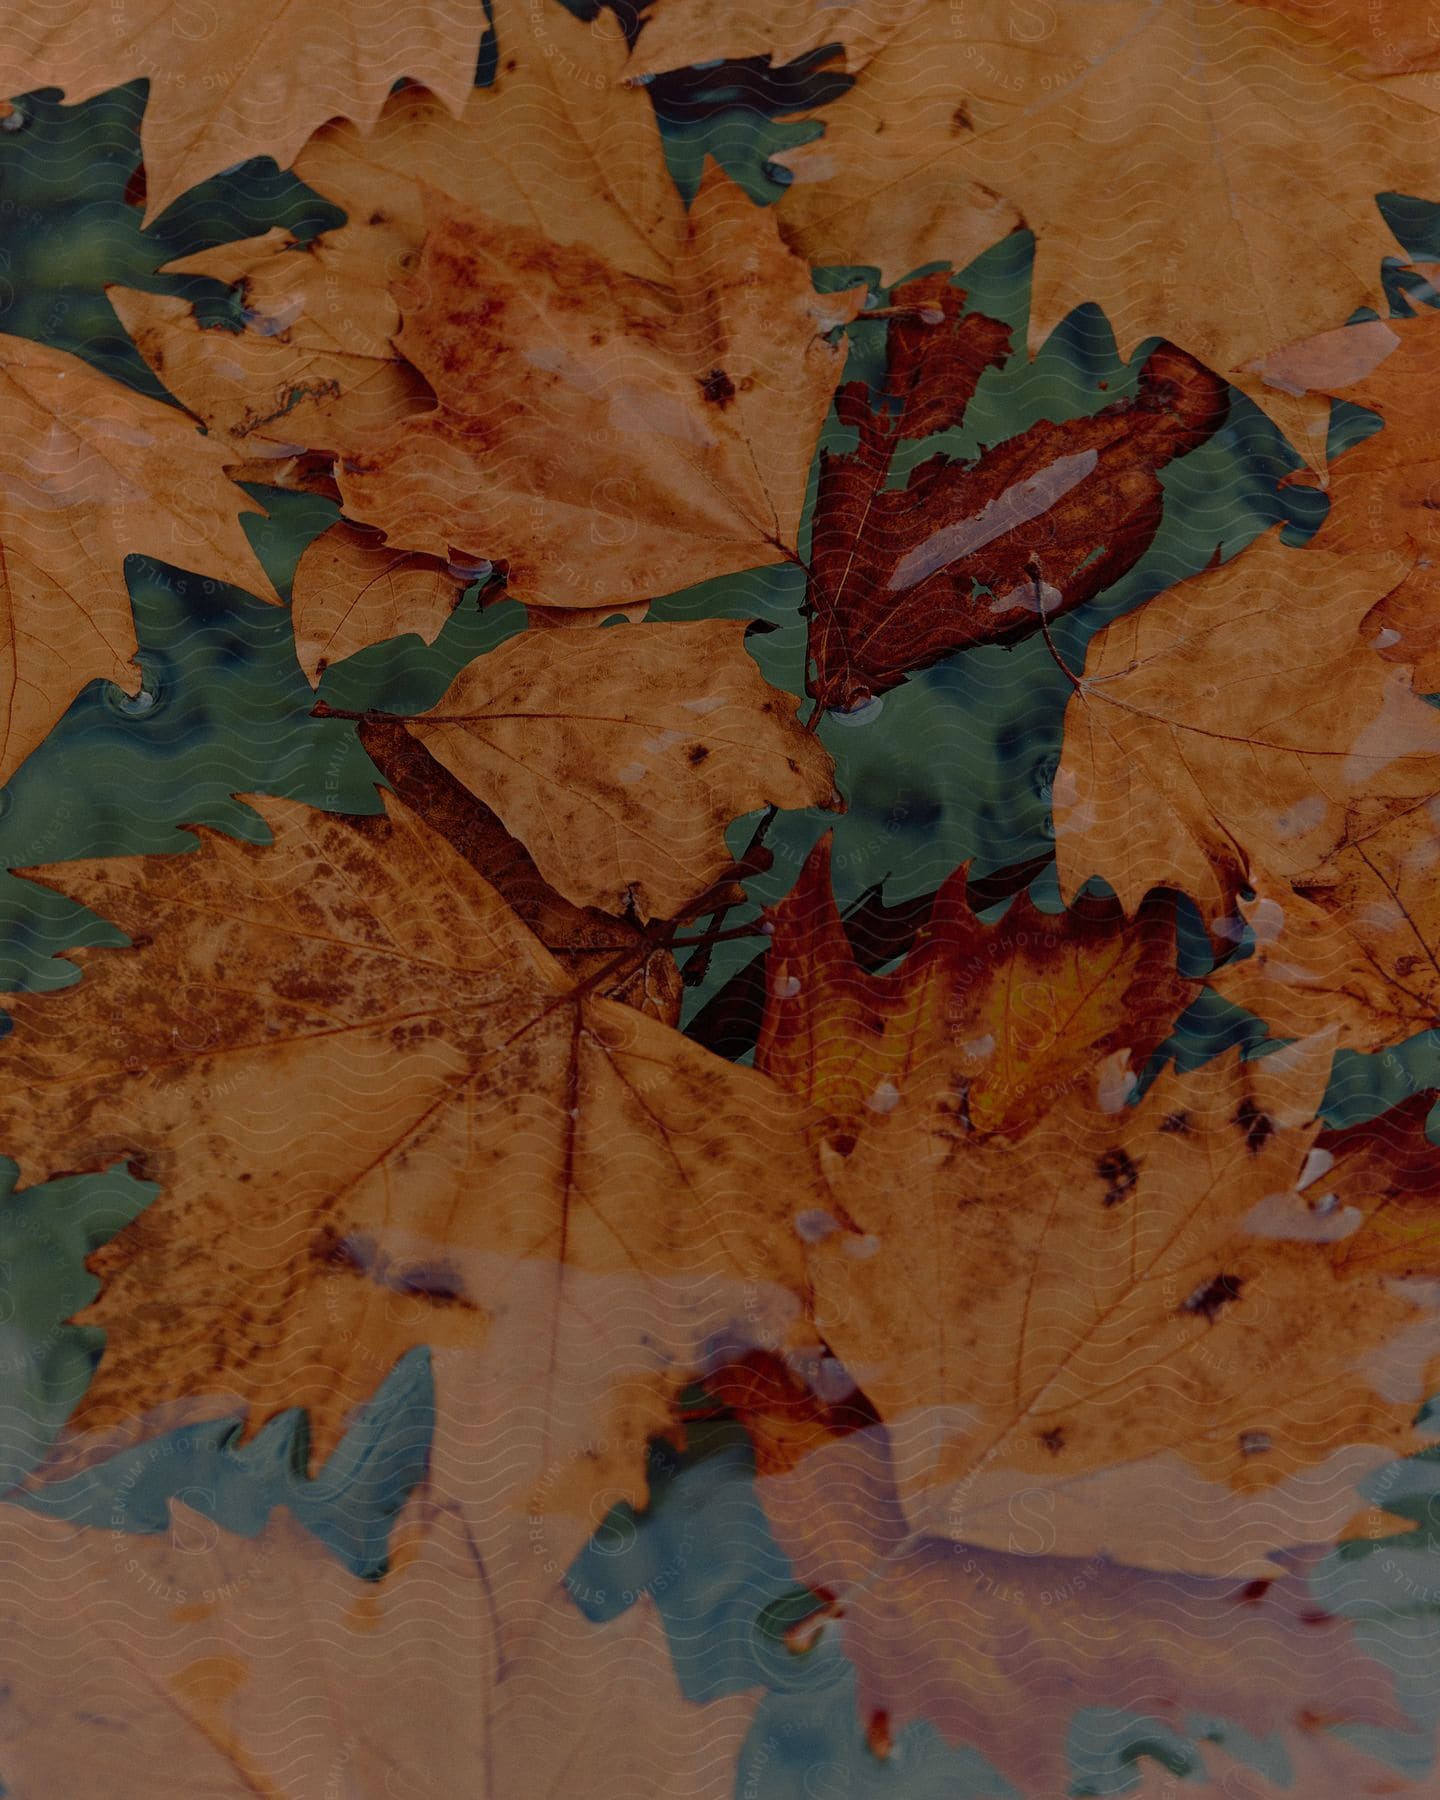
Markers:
<point>1382,491</point>
<point>1174,162</point>
<point>1232,726</point>
<point>585,943</point>
<point>352,590</point>
<point>1353,943</point>
<point>314,365</point>
<point>629,394</point>
<point>608,438</point>
<point>619,757</point>
<point>199,1662</point>
<point>1115,1286</point>
<point>379,1112</point>
<point>90,473</point>
<point>231,82</point>
<point>1008,1016</point>
<point>967,554</point>
<point>1373,1189</point>
<point>1390,37</point>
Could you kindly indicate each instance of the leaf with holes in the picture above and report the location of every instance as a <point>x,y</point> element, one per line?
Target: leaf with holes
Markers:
<point>982,552</point>
<point>378,1111</point>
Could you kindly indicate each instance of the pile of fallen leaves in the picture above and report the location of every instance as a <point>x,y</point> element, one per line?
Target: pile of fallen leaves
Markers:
<point>952,1251</point>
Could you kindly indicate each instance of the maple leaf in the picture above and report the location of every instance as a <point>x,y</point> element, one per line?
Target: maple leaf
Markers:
<point>966,1635</point>
<point>351,590</point>
<point>674,34</point>
<point>664,374</point>
<point>669,432</point>
<point>619,757</point>
<point>93,473</point>
<point>373,1101</point>
<point>972,1639</point>
<point>1372,1190</point>
<point>1354,942</point>
<point>1381,491</point>
<point>1236,728</point>
<point>229,83</point>
<point>584,943</point>
<point>1009,1016</point>
<point>198,1662</point>
<point>1112,1287</point>
<point>314,363</point>
<point>980,553</point>
<point>556,144</point>
<point>1231,137</point>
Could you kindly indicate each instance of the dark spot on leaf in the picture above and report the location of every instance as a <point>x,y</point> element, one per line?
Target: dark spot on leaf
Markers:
<point>1207,1300</point>
<point>1053,1440</point>
<point>1255,1124</point>
<point>697,754</point>
<point>718,388</point>
<point>960,120</point>
<point>1176,1123</point>
<point>1117,1169</point>
<point>1255,1590</point>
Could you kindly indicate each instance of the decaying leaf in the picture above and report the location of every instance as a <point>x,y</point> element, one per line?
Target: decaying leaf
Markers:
<point>373,1101</point>
<point>91,473</point>
<point>314,365</point>
<point>1116,1286</point>
<point>584,943</point>
<point>629,394</point>
<point>619,757</point>
<point>1237,729</point>
<point>231,82</point>
<point>607,437</point>
<point>1383,491</point>
<point>999,1651</point>
<point>1230,144</point>
<point>196,1663</point>
<point>676,33</point>
<point>1009,1016</point>
<point>557,144</point>
<point>967,1634</point>
<point>1373,1188</point>
<point>1353,943</point>
<point>984,552</point>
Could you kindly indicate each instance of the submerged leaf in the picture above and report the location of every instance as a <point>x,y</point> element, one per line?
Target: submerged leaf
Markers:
<point>199,1663</point>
